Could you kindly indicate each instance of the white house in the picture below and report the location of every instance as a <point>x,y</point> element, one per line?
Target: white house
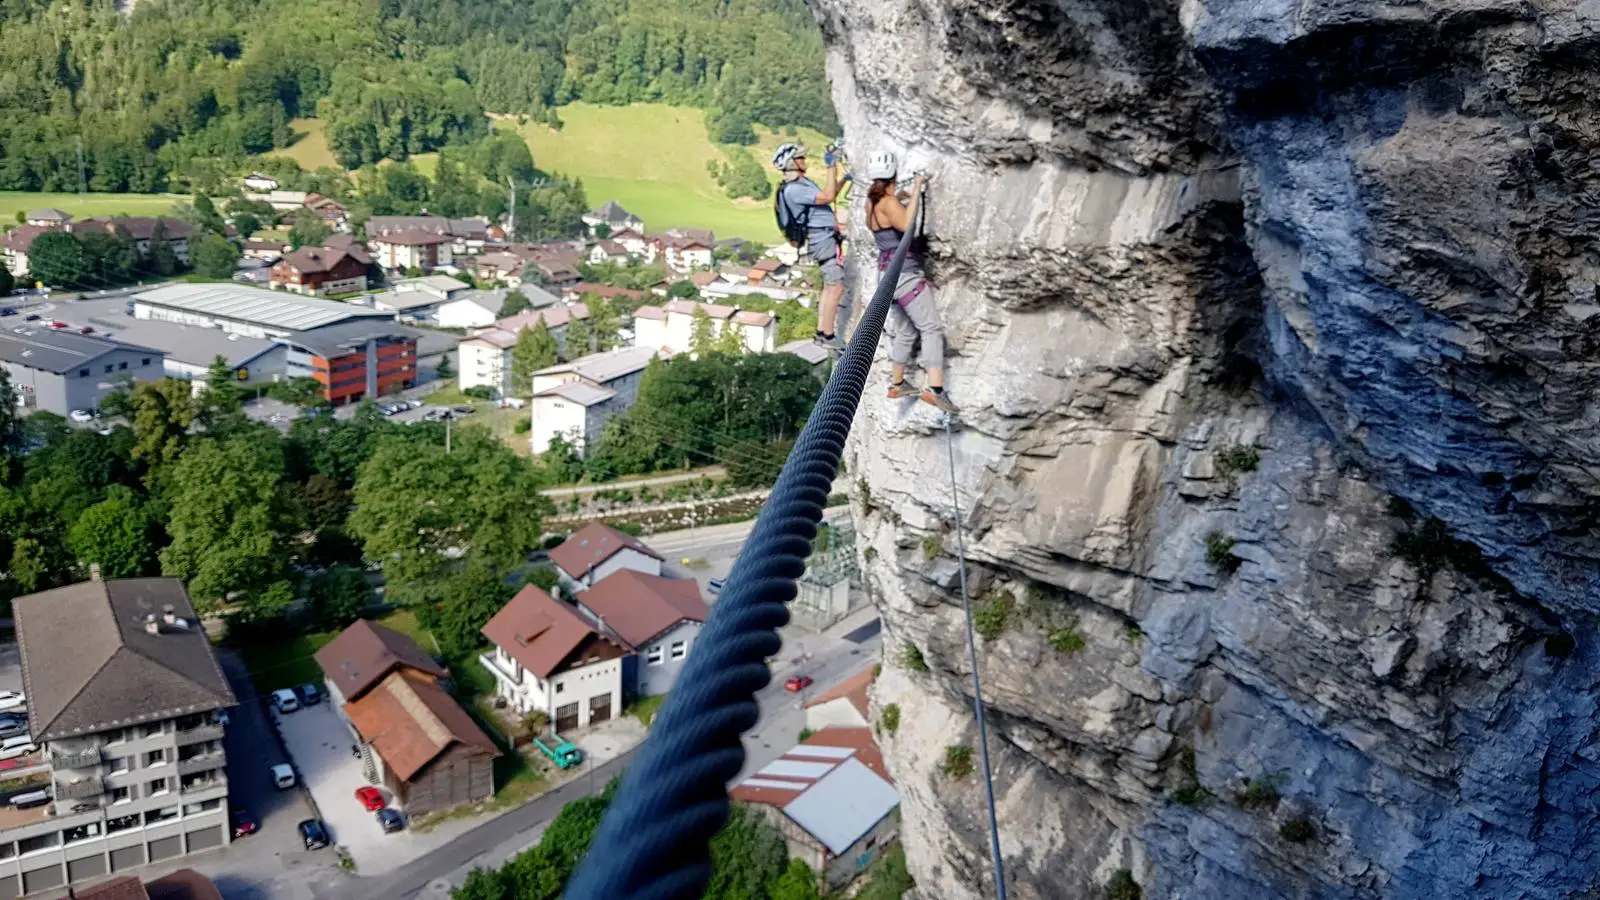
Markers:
<point>596,551</point>
<point>637,245</point>
<point>416,249</point>
<point>258,182</point>
<point>614,217</point>
<point>486,361</point>
<point>686,254</point>
<point>659,618</point>
<point>608,251</point>
<point>577,398</point>
<point>672,327</point>
<point>650,327</point>
<point>476,310</point>
<point>548,658</point>
<point>759,330</point>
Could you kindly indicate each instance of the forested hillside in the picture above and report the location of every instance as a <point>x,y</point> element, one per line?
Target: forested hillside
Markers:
<point>176,85</point>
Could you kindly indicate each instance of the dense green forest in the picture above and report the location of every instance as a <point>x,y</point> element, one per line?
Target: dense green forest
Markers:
<point>172,86</point>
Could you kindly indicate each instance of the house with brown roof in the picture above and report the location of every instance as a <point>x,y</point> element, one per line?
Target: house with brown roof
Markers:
<point>146,232</point>
<point>597,550</point>
<point>320,270</point>
<point>549,658</point>
<point>416,740</point>
<point>843,704</point>
<point>414,249</point>
<point>833,801</point>
<point>184,884</point>
<point>658,617</point>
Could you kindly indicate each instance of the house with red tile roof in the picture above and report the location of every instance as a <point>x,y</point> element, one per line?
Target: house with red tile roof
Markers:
<point>658,617</point>
<point>832,800</point>
<point>595,551</point>
<point>843,704</point>
<point>548,657</point>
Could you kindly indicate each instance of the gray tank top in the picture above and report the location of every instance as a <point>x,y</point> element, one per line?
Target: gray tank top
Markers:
<point>888,241</point>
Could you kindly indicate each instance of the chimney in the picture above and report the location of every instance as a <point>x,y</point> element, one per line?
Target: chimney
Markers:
<point>167,615</point>
<point>151,625</point>
<point>94,571</point>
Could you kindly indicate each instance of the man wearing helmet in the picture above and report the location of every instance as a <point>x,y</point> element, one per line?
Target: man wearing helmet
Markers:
<point>801,200</point>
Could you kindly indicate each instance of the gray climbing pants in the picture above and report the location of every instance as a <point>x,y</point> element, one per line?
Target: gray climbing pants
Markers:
<point>918,317</point>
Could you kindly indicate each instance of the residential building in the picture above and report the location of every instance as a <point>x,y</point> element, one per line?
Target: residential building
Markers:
<point>475,309</point>
<point>331,212</point>
<point>463,236</point>
<point>685,254</point>
<point>658,617</point>
<point>249,311</point>
<point>832,800</point>
<point>726,290</point>
<point>48,217</point>
<point>355,359</point>
<point>321,270</point>
<point>558,272</point>
<point>440,287</point>
<point>406,250</point>
<point>280,200</point>
<point>414,738</point>
<point>548,658</point>
<point>608,251</point>
<point>650,328</point>
<point>146,232</point>
<point>555,317</point>
<point>538,297</point>
<point>638,246</point>
<point>497,266</point>
<point>188,350</point>
<point>19,242</point>
<point>672,327</point>
<point>266,251</point>
<point>485,361</point>
<point>184,884</point>
<point>614,217</point>
<point>62,371</point>
<point>124,691</point>
<point>258,182</point>
<point>587,289</point>
<point>576,399</point>
<point>595,552</point>
<point>846,703</point>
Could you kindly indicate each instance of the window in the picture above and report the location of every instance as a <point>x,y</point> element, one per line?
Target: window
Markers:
<point>560,686</point>
<point>154,728</point>
<point>145,361</point>
<point>41,842</point>
<point>122,823</point>
<point>117,737</point>
<point>653,657</point>
<point>119,765</point>
<point>160,815</point>
<point>83,373</point>
<point>109,368</point>
<point>121,366</point>
<point>679,649</point>
<point>121,795</point>
<point>83,832</point>
<point>158,787</point>
<point>155,758</point>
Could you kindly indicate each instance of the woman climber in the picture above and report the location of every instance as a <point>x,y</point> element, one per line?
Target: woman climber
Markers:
<point>890,215</point>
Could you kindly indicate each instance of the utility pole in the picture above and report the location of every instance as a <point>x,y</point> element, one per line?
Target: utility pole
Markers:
<point>511,222</point>
<point>82,181</point>
<point>447,420</point>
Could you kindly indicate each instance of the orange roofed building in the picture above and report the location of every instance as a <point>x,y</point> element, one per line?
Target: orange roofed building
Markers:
<point>548,658</point>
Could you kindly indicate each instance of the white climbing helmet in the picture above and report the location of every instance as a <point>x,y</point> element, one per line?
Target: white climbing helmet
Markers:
<point>784,159</point>
<point>882,166</point>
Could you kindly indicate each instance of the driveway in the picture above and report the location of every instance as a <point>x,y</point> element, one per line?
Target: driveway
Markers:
<point>319,741</point>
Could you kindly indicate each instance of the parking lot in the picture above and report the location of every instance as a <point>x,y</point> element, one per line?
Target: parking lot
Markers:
<point>320,743</point>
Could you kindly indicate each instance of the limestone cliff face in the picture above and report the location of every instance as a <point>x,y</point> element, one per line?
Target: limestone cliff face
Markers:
<point>1276,327</point>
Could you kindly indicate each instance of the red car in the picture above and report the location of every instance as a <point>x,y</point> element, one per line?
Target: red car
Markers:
<point>57,323</point>
<point>370,797</point>
<point>797,683</point>
<point>86,330</point>
<point>243,823</point>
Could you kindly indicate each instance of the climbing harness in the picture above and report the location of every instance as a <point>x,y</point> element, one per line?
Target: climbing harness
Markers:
<point>921,285</point>
<point>972,659</point>
<point>654,842</point>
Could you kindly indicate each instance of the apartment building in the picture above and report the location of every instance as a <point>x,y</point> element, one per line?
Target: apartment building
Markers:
<point>124,693</point>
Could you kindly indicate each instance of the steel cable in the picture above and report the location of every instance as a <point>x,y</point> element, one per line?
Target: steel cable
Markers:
<point>655,841</point>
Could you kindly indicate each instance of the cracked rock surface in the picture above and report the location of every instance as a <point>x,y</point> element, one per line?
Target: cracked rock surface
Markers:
<point>1276,330</point>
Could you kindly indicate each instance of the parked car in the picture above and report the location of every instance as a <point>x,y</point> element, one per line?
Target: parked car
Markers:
<point>31,317</point>
<point>309,694</point>
<point>464,410</point>
<point>57,323</point>
<point>390,821</point>
<point>284,701</point>
<point>7,311</point>
<point>715,585</point>
<point>798,683</point>
<point>370,797</point>
<point>12,700</point>
<point>11,726</point>
<point>81,416</point>
<point>21,745</point>
<point>282,776</point>
<point>313,834</point>
<point>86,330</point>
<point>243,822</point>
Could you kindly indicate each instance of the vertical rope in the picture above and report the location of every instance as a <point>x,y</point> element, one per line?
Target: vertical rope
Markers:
<point>977,681</point>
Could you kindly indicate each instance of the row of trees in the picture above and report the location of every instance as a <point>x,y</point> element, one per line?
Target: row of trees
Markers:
<point>156,95</point>
<point>748,860</point>
<point>741,175</point>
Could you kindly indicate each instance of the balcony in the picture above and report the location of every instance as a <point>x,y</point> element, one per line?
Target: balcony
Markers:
<point>79,790</point>
<point>202,763</point>
<point>500,670</point>
<point>199,733</point>
<point>198,785</point>
<point>75,759</point>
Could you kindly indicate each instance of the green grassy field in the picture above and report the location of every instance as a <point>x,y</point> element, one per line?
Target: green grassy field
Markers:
<point>310,148</point>
<point>652,159</point>
<point>85,205</point>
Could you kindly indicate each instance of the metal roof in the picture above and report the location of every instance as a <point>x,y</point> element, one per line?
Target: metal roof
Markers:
<point>843,805</point>
<point>608,366</point>
<point>271,309</point>
<point>195,345</point>
<point>335,340</point>
<point>50,350</point>
<point>579,393</point>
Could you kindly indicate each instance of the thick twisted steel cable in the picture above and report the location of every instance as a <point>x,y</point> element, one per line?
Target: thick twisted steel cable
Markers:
<point>655,841</point>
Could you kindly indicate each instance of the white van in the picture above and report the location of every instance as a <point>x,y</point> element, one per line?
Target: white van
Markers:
<point>282,776</point>
<point>284,701</point>
<point>29,799</point>
<point>13,747</point>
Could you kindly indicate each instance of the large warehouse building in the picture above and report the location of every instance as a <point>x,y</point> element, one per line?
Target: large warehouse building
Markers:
<point>252,312</point>
<point>62,371</point>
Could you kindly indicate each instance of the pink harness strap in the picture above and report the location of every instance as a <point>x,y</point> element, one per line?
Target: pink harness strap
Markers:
<point>884,258</point>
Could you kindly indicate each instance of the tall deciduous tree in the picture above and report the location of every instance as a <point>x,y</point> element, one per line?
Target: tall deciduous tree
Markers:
<point>214,256</point>
<point>114,534</point>
<point>228,525</point>
<point>57,259</point>
<point>535,349</point>
<point>604,324</point>
<point>466,603</point>
<point>702,333</point>
<point>514,303</point>
<point>579,338</point>
<point>163,410</point>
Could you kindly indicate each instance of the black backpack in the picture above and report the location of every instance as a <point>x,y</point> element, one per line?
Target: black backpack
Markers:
<point>794,229</point>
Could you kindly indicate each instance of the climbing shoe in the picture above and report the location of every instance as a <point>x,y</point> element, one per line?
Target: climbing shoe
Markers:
<point>901,389</point>
<point>830,341</point>
<point>939,400</point>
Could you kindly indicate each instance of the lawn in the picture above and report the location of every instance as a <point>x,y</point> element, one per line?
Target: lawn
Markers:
<point>652,159</point>
<point>84,205</point>
<point>290,662</point>
<point>310,148</point>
